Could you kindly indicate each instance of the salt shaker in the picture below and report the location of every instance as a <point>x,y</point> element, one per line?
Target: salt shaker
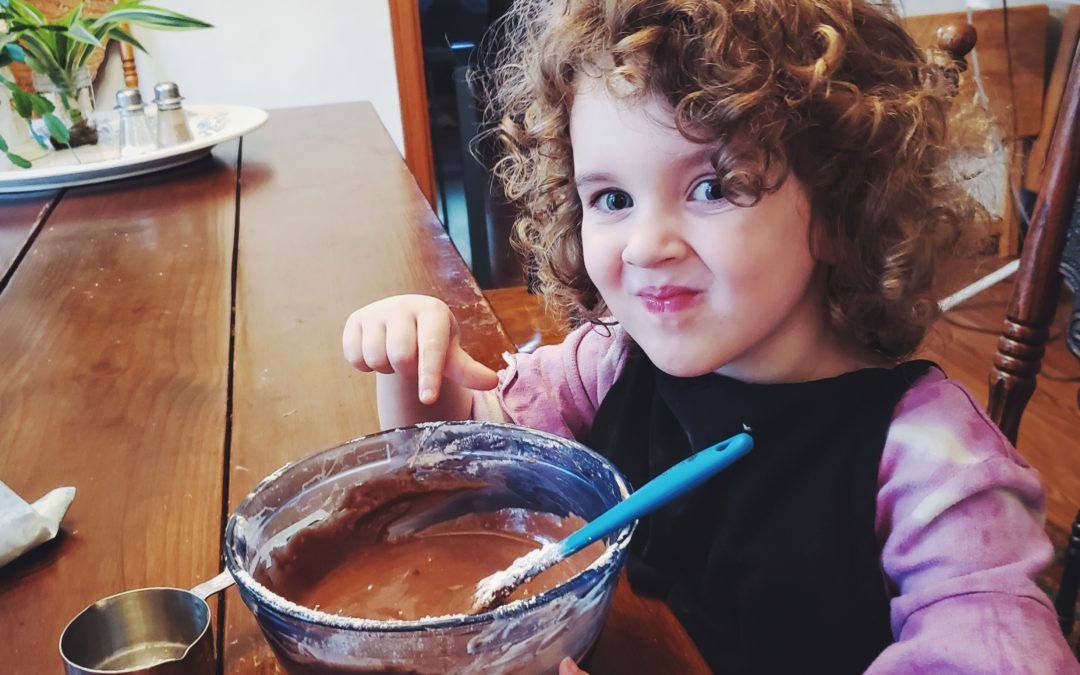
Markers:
<point>172,125</point>
<point>135,136</point>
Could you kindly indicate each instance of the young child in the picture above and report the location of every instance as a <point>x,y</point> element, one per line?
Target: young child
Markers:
<point>741,201</point>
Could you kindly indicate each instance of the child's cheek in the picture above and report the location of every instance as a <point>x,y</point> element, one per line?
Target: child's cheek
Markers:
<point>601,255</point>
<point>739,268</point>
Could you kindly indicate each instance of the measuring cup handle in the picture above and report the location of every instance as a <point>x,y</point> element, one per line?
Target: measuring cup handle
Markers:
<point>215,585</point>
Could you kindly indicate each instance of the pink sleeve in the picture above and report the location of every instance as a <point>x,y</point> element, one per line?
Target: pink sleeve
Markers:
<point>961,516</point>
<point>557,388</point>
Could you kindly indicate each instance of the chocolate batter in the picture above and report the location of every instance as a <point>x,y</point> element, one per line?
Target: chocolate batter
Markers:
<point>378,558</point>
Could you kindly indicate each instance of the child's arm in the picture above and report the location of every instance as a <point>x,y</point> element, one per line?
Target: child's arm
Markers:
<point>412,342</point>
<point>557,388</point>
<point>961,518</point>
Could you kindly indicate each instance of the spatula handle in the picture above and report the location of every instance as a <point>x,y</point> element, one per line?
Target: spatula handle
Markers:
<point>670,485</point>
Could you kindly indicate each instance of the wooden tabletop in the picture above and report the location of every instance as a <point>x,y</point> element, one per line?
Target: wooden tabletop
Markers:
<point>169,340</point>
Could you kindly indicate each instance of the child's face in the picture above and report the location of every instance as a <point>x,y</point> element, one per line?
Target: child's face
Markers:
<point>700,284</point>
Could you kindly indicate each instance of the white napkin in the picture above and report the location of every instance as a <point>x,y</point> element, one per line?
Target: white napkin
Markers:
<point>23,526</point>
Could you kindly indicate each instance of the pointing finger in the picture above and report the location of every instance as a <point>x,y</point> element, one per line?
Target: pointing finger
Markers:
<point>468,372</point>
<point>432,338</point>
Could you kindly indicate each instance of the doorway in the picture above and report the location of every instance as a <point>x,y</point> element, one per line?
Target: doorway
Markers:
<point>446,36</point>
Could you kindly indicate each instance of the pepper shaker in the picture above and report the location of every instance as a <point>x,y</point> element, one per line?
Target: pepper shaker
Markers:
<point>172,125</point>
<point>135,136</point>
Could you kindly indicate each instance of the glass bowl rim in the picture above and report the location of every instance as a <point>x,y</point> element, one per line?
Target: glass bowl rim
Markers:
<point>268,600</point>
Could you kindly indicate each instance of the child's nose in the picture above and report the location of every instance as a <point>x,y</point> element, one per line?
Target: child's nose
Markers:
<point>655,239</point>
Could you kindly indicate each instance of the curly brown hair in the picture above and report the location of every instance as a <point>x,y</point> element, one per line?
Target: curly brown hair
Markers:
<point>833,91</point>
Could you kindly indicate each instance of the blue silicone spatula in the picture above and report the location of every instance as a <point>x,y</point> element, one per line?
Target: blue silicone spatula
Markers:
<point>672,484</point>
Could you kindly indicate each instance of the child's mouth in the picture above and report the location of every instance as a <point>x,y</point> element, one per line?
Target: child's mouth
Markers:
<point>668,299</point>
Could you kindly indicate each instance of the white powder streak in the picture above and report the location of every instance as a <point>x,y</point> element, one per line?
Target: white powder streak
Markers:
<point>524,568</point>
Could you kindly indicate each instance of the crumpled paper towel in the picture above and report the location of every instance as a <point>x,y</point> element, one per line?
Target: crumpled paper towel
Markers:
<point>23,526</point>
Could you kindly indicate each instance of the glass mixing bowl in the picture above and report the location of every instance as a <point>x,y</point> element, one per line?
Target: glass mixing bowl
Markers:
<point>519,468</point>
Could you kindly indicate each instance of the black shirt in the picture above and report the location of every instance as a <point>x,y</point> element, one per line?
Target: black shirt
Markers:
<point>772,566</point>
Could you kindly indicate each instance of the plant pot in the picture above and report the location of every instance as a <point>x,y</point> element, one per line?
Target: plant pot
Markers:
<point>74,101</point>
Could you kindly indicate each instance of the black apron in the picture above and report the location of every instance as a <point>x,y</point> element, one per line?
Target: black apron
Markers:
<point>772,566</point>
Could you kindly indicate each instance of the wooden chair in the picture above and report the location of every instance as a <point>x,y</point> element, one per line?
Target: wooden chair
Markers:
<point>127,58</point>
<point>1051,252</point>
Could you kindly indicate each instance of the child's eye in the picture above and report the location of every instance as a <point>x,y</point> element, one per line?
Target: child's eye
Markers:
<point>707,191</point>
<point>612,200</point>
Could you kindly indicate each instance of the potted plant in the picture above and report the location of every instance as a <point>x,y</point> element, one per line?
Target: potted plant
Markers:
<point>57,53</point>
<point>17,103</point>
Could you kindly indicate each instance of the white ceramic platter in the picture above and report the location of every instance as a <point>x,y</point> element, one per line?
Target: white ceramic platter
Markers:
<point>210,124</point>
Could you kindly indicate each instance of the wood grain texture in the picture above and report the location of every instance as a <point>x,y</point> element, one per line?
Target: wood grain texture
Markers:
<point>641,635</point>
<point>525,318</point>
<point>114,331</point>
<point>1012,72</point>
<point>331,219</point>
<point>1016,103</point>
<point>1038,281</point>
<point>127,62</point>
<point>20,217</point>
<point>412,93</point>
<point>1055,88</point>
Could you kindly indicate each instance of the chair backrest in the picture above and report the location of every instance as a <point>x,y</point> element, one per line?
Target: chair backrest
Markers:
<point>1026,329</point>
<point>127,59</point>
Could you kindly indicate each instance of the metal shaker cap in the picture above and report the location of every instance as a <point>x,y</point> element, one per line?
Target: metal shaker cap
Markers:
<point>129,100</point>
<point>167,95</point>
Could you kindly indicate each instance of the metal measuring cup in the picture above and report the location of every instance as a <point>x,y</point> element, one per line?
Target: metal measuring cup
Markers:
<point>163,631</point>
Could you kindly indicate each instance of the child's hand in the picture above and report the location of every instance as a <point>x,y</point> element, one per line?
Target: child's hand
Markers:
<point>568,667</point>
<point>415,336</point>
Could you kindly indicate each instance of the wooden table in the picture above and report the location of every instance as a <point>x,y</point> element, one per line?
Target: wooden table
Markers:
<point>169,340</point>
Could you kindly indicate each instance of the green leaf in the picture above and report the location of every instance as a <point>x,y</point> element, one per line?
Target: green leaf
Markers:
<point>41,105</point>
<point>153,17</point>
<point>28,8</point>
<point>88,43</point>
<point>56,128</point>
<point>48,40</point>
<point>33,64</point>
<point>26,11</point>
<point>80,56</point>
<point>17,160</point>
<point>81,32</point>
<point>47,29</point>
<point>42,53</point>
<point>123,36</point>
<point>63,51</point>
<point>23,106</point>
<point>71,16</point>
<point>3,145</point>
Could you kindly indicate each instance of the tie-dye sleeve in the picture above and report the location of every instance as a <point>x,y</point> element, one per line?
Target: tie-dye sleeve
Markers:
<point>960,516</point>
<point>557,388</point>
